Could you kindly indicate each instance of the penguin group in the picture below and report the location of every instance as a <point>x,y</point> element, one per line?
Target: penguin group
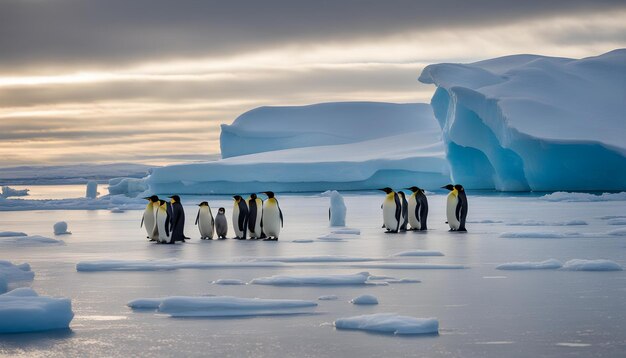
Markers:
<point>402,214</point>
<point>165,221</point>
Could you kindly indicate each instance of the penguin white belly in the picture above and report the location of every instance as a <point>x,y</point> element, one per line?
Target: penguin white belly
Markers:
<point>149,219</point>
<point>205,222</point>
<point>161,218</point>
<point>271,219</point>
<point>413,219</point>
<point>238,232</point>
<point>259,215</point>
<point>389,214</point>
<point>451,212</point>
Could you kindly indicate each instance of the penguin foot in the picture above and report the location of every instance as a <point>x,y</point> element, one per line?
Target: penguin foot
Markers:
<point>462,230</point>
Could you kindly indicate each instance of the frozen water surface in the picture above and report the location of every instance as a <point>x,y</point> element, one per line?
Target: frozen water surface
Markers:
<point>532,312</point>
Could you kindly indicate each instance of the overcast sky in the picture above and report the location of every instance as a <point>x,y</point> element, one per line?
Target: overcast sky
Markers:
<point>150,81</point>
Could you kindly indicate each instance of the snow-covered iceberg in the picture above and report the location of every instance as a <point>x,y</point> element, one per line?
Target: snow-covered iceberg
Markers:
<point>529,122</point>
<point>11,274</point>
<point>390,323</point>
<point>339,146</point>
<point>23,310</point>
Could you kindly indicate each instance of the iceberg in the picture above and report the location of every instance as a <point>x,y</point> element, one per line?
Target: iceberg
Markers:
<point>528,122</point>
<point>390,323</point>
<point>330,146</point>
<point>11,274</point>
<point>7,191</point>
<point>551,264</point>
<point>23,310</point>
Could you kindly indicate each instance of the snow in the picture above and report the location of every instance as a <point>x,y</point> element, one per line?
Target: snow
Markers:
<point>8,192</point>
<point>551,264</point>
<point>164,264</point>
<point>316,280</point>
<point>354,154</point>
<point>418,253</point>
<point>538,235</point>
<point>411,266</point>
<point>60,228</point>
<point>526,122</point>
<point>364,300</point>
<point>337,237</point>
<point>584,197</point>
<point>328,298</point>
<point>23,310</point>
<point>223,306</point>
<point>92,190</point>
<point>11,274</point>
<point>228,281</point>
<point>591,265</point>
<point>321,258</point>
<point>29,240</point>
<point>337,211</point>
<point>390,323</point>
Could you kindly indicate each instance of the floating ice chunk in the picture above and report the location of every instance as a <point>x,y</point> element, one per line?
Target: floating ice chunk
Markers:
<point>486,221</point>
<point>364,300</point>
<point>303,280</point>
<point>348,231</point>
<point>22,310</point>
<point>117,210</point>
<point>223,306</point>
<point>29,240</point>
<point>617,232</point>
<point>11,233</point>
<point>60,228</point>
<point>165,264</point>
<point>337,211</point>
<point>228,281</point>
<point>418,253</point>
<point>390,323</point>
<point>609,217</point>
<point>591,265</point>
<point>328,298</point>
<point>551,264</point>
<point>538,235</point>
<point>617,221</point>
<point>403,280</point>
<point>303,241</point>
<point>9,192</point>
<point>584,197</point>
<point>92,190</point>
<point>410,266</point>
<point>11,274</point>
<point>321,258</point>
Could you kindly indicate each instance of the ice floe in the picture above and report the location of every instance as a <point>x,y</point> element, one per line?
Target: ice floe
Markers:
<point>101,203</point>
<point>418,253</point>
<point>23,310</point>
<point>389,323</point>
<point>304,280</point>
<point>7,191</point>
<point>29,240</point>
<point>538,235</point>
<point>410,266</point>
<point>591,265</point>
<point>346,231</point>
<point>547,223</point>
<point>364,300</point>
<point>337,237</point>
<point>328,298</point>
<point>617,232</point>
<point>584,197</point>
<point>321,258</point>
<point>228,281</point>
<point>617,221</point>
<point>11,274</point>
<point>12,233</point>
<point>164,264</point>
<point>551,264</point>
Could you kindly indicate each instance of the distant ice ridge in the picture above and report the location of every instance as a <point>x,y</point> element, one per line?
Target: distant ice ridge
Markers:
<point>330,146</point>
<point>390,323</point>
<point>121,202</point>
<point>529,122</point>
<point>23,310</point>
<point>223,306</point>
<point>163,264</point>
<point>8,191</point>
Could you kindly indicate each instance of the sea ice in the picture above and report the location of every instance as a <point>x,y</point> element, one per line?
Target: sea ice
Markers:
<point>11,274</point>
<point>29,240</point>
<point>228,281</point>
<point>410,266</point>
<point>321,258</point>
<point>22,310</point>
<point>60,228</point>
<point>364,300</point>
<point>418,253</point>
<point>584,197</point>
<point>328,298</point>
<point>538,235</point>
<point>591,265</point>
<point>11,233</point>
<point>164,264</point>
<point>303,280</point>
<point>551,264</point>
<point>346,231</point>
<point>8,192</point>
<point>547,223</point>
<point>390,323</point>
<point>617,232</point>
<point>100,203</point>
<point>617,221</point>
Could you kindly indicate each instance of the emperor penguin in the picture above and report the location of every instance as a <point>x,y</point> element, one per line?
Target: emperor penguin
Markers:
<point>240,217</point>
<point>272,217</point>
<point>221,224</point>
<point>177,219</point>
<point>255,214</point>
<point>404,219</point>
<point>418,209</point>
<point>392,211</point>
<point>163,223</point>
<point>205,221</point>
<point>456,208</point>
<point>149,217</point>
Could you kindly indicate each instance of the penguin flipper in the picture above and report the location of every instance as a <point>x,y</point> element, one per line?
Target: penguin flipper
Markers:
<point>252,216</point>
<point>280,212</point>
<point>459,206</point>
<point>142,218</point>
<point>398,210</point>
<point>198,217</point>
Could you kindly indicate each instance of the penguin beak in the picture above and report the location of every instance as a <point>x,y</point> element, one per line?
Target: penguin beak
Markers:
<point>381,189</point>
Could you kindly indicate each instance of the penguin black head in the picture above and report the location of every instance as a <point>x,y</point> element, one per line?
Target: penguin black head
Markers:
<point>237,197</point>
<point>161,202</point>
<point>221,211</point>
<point>253,196</point>
<point>154,198</point>
<point>414,189</point>
<point>204,203</point>
<point>401,193</point>
<point>176,198</point>
<point>270,194</point>
<point>386,190</point>
<point>459,187</point>
<point>449,187</point>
